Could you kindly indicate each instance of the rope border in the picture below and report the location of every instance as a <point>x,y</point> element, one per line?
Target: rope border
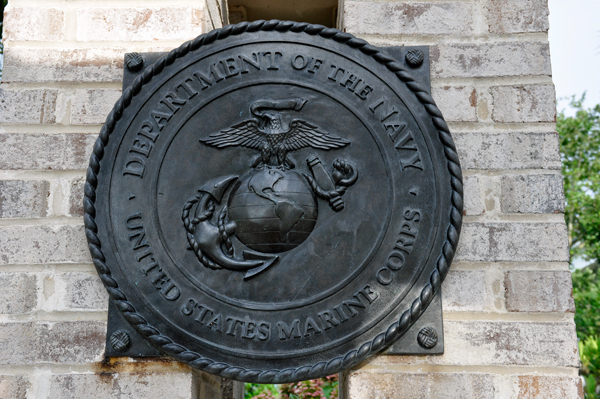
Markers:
<point>339,363</point>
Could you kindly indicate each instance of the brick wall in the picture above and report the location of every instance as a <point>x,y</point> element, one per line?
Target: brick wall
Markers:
<point>508,306</point>
<point>509,329</point>
<point>62,75</point>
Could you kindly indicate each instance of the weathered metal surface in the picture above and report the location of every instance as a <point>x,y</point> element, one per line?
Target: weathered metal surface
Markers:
<point>274,201</point>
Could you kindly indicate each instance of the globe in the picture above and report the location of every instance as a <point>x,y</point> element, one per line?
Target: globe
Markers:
<point>275,210</point>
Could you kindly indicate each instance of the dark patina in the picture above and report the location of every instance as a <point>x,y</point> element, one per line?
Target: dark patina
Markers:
<point>274,201</point>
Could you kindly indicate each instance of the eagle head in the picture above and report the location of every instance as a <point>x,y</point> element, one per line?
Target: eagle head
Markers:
<point>272,122</point>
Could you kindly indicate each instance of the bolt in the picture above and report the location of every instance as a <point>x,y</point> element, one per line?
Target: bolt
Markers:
<point>134,61</point>
<point>414,58</point>
<point>120,340</point>
<point>427,337</point>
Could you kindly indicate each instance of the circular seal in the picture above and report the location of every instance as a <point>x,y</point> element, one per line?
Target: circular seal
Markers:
<point>273,201</point>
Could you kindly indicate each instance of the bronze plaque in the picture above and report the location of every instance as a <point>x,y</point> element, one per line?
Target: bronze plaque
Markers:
<point>273,201</point>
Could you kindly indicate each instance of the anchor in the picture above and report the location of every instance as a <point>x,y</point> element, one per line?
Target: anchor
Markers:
<point>208,240</point>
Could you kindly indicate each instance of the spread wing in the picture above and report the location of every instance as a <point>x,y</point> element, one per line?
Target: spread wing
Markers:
<point>303,134</point>
<point>245,134</point>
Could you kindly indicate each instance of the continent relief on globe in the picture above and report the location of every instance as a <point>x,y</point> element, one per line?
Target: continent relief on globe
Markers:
<point>275,210</point>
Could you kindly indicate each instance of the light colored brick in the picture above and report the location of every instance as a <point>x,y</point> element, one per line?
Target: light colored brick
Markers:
<point>19,292</point>
<point>91,106</point>
<point>458,104</point>
<point>23,65</point>
<point>527,103</point>
<point>532,194</point>
<point>27,105</point>
<point>539,291</point>
<point>80,291</point>
<point>123,385</point>
<point>23,198</point>
<point>390,385</point>
<point>71,342</point>
<point>139,24</point>
<point>43,244</point>
<point>14,386</point>
<point>549,387</point>
<point>516,242</point>
<point>464,291</point>
<point>33,151</point>
<point>518,16</point>
<point>34,24</point>
<point>414,18</point>
<point>76,197</point>
<point>500,343</point>
<point>496,151</point>
<point>473,200</point>
<point>490,59</point>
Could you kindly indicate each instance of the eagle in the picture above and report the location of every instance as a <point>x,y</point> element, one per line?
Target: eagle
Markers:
<point>269,135</point>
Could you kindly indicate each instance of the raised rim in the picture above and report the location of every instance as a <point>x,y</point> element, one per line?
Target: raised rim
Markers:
<point>352,357</point>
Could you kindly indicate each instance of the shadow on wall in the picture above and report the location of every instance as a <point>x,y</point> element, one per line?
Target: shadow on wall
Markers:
<point>322,12</point>
<point>3,4</point>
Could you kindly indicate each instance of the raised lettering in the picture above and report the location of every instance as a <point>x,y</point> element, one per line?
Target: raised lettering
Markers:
<point>286,332</point>
<point>311,327</point>
<point>135,167</point>
<point>328,319</point>
<point>254,61</point>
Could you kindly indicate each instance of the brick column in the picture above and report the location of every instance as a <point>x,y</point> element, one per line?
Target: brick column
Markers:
<point>62,75</point>
<point>508,309</point>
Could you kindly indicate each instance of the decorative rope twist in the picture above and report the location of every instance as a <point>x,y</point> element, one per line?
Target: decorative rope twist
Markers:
<point>190,225</point>
<point>344,176</point>
<point>354,356</point>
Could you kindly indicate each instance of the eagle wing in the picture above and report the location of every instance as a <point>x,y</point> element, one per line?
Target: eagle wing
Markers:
<point>302,134</point>
<point>245,134</point>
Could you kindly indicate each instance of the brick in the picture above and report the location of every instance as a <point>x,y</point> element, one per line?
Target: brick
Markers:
<point>496,151</point>
<point>513,242</point>
<point>511,343</point>
<point>23,198</point>
<point>139,24</point>
<point>123,385</point>
<point>80,291</point>
<point>18,294</point>
<point>501,343</point>
<point>28,105</point>
<point>23,65</point>
<point>473,201</point>
<point>34,24</point>
<point>14,386</point>
<point>43,244</point>
<point>91,106</point>
<point>490,59</point>
<point>549,387</point>
<point>70,342</point>
<point>539,291</point>
<point>32,151</point>
<point>464,291</point>
<point>518,16</point>
<point>76,197</point>
<point>527,103</point>
<point>458,104</point>
<point>414,18</point>
<point>532,194</point>
<point>420,385</point>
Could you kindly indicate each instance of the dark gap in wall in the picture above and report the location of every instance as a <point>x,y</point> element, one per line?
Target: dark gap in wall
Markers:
<point>322,12</point>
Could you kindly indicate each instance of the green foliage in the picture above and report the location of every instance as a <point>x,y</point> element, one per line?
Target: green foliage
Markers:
<point>586,293</point>
<point>589,353</point>
<point>261,391</point>
<point>323,388</point>
<point>580,154</point>
<point>580,150</point>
